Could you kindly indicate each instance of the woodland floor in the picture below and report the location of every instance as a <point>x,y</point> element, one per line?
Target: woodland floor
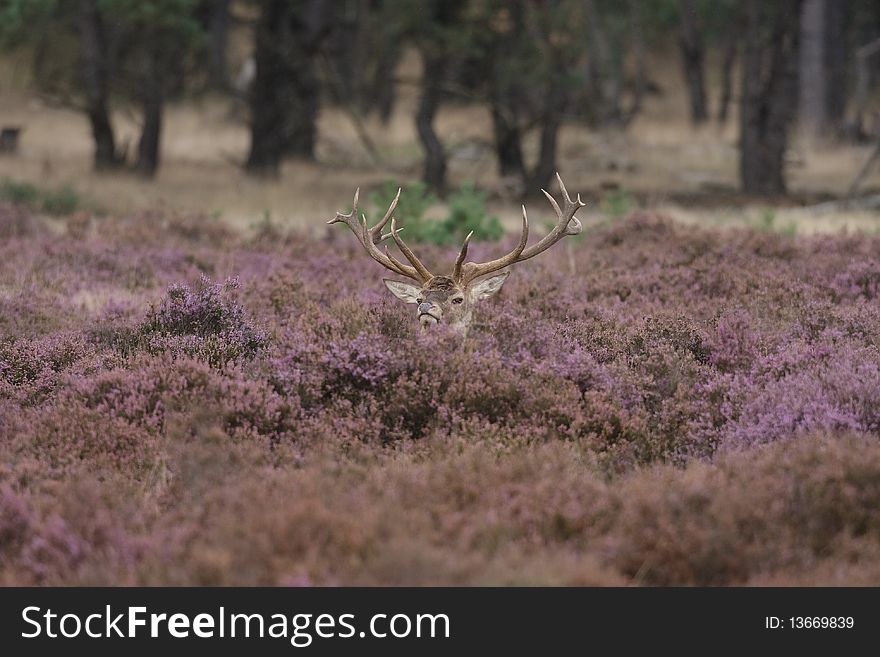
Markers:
<point>660,163</point>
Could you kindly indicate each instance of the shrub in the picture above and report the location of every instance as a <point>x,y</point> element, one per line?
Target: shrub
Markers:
<point>19,193</point>
<point>669,406</point>
<point>62,201</point>
<point>204,322</point>
<point>467,212</point>
<point>414,202</point>
<point>618,203</point>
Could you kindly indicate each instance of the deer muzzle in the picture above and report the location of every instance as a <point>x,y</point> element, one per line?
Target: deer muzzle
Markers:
<point>426,314</point>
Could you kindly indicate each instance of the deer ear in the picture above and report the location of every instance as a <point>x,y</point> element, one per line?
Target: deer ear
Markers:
<point>403,291</point>
<point>485,289</point>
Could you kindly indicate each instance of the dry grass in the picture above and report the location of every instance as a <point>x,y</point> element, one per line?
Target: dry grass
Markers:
<point>666,164</point>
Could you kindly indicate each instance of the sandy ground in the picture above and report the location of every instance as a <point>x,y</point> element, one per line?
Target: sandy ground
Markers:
<point>667,166</point>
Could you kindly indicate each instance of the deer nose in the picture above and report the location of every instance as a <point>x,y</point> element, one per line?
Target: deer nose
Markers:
<point>424,308</point>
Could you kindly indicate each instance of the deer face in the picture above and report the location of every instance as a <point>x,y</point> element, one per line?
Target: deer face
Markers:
<point>442,300</point>
<point>450,299</point>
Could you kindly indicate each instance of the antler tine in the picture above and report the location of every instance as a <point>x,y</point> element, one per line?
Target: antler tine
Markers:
<point>419,267</point>
<point>471,270</point>
<point>387,236</point>
<point>377,229</point>
<point>385,258</point>
<point>459,261</point>
<point>369,236</point>
<point>566,224</point>
<point>351,217</point>
<point>395,260</point>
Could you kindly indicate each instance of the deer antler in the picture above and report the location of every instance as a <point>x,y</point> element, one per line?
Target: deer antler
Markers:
<point>370,237</point>
<point>566,224</point>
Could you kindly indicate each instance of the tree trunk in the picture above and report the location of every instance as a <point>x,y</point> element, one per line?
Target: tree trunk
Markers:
<point>94,80</point>
<point>602,72</point>
<point>152,102</point>
<point>692,58</point>
<point>284,96</point>
<point>507,143</point>
<point>309,26</point>
<point>435,156</point>
<point>837,60</point>
<point>865,55</point>
<point>436,52</point>
<point>554,106</point>
<point>505,96</point>
<point>268,92</point>
<point>384,82</point>
<point>812,108</point>
<point>823,65</point>
<point>728,61</point>
<point>218,28</point>
<point>769,93</point>
<point>638,48</point>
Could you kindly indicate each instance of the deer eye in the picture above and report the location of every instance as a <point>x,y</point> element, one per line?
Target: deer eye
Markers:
<point>420,300</point>
<point>457,300</point>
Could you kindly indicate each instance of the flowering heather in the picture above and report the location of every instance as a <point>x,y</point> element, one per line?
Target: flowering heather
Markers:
<point>181,404</point>
<point>202,321</point>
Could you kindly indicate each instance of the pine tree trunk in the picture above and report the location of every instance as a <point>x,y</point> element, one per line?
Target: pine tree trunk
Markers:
<point>284,96</point>
<point>728,61</point>
<point>152,103</point>
<point>94,72</point>
<point>384,83</point>
<point>769,93</point>
<point>692,58</point>
<point>812,110</point>
<point>837,60</point>
<point>505,97</point>
<point>554,106</point>
<point>603,74</point>
<point>638,50</point>
<point>218,28</point>
<point>435,156</point>
<point>824,65</point>
<point>268,92</point>
<point>507,144</point>
<point>435,50</point>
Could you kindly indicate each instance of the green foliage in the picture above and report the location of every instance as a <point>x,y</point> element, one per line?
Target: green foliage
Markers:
<point>169,32</point>
<point>19,18</point>
<point>62,201</point>
<point>265,224</point>
<point>176,18</point>
<point>618,203</point>
<point>662,17</point>
<point>467,212</point>
<point>411,207</point>
<point>19,193</point>
<point>767,222</point>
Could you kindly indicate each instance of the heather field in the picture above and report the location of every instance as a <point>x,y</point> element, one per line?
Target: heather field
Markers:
<point>651,404</point>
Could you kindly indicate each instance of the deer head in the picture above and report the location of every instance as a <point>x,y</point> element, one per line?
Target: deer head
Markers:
<point>451,299</point>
